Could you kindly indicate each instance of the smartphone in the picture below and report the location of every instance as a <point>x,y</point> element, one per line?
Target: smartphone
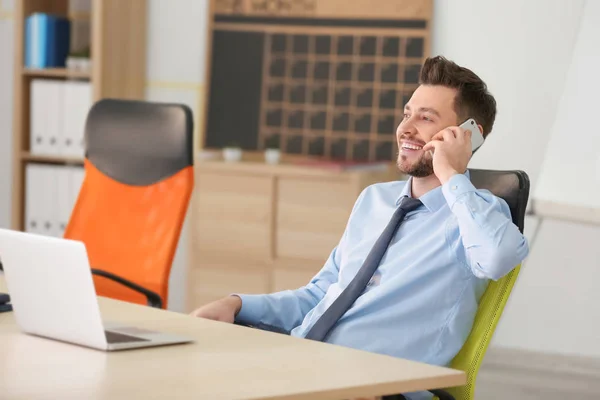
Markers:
<point>476,135</point>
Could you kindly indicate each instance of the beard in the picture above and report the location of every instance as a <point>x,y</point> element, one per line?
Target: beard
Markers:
<point>421,168</point>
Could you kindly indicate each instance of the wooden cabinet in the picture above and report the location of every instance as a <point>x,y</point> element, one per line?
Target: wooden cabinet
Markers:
<point>259,228</point>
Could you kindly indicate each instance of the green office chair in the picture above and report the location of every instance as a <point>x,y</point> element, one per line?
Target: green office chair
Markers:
<point>513,187</point>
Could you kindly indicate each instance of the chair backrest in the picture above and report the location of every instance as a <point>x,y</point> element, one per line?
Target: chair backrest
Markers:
<point>513,187</point>
<point>138,182</point>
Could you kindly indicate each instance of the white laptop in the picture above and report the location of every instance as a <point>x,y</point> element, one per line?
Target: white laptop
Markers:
<point>52,292</point>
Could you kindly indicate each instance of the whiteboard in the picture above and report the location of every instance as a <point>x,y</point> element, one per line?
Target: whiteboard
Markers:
<point>569,183</point>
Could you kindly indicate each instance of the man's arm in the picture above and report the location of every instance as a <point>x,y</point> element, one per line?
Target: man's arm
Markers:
<point>281,311</point>
<point>286,309</point>
<point>493,243</point>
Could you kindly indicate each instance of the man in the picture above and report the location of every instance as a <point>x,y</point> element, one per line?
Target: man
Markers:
<point>424,286</point>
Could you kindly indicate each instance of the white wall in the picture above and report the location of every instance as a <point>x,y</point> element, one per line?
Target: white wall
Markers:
<point>523,54</point>
<point>554,307</point>
<point>523,50</point>
<point>578,103</point>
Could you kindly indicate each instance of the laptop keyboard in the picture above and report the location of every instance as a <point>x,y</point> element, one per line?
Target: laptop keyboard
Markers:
<point>115,337</point>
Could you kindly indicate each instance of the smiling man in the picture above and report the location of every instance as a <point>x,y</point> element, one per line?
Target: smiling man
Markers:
<point>407,274</point>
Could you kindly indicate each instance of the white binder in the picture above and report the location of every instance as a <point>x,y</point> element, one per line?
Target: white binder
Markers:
<point>77,175</point>
<point>33,197</point>
<point>37,121</point>
<point>46,114</point>
<point>54,111</point>
<point>48,201</point>
<point>76,105</point>
<point>64,203</point>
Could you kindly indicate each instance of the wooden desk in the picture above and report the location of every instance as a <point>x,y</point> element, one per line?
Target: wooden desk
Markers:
<point>226,362</point>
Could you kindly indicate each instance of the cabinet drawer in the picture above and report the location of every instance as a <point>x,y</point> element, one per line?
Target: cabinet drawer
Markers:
<point>211,282</point>
<point>311,216</point>
<point>198,299</point>
<point>232,215</point>
<point>290,279</point>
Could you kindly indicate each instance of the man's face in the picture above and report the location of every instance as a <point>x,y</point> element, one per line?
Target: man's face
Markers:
<point>429,110</point>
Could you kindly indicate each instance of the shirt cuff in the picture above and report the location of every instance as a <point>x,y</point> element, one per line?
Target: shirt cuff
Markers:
<point>457,186</point>
<point>251,310</point>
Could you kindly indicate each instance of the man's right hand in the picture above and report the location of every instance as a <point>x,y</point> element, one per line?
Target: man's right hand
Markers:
<point>223,310</point>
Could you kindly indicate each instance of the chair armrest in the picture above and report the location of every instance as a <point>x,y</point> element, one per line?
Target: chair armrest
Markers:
<point>153,299</point>
<point>441,395</point>
<point>437,393</point>
<point>262,327</point>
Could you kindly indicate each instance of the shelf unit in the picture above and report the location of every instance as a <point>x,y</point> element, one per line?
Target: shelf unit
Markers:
<point>118,57</point>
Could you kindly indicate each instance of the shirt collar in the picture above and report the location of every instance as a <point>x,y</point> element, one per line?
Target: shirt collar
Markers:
<point>432,200</point>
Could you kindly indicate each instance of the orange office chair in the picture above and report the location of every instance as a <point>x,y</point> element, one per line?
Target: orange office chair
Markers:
<point>138,182</point>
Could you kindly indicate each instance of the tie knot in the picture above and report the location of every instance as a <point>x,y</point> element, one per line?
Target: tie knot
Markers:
<point>409,204</point>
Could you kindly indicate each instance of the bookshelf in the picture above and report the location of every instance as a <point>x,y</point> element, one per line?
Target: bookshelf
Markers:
<point>118,57</point>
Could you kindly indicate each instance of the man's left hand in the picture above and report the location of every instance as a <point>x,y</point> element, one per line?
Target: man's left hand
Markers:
<point>451,152</point>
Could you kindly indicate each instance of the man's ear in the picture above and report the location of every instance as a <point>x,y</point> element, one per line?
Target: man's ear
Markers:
<point>481,130</point>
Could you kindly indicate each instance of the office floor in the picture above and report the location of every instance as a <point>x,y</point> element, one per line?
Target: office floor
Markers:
<point>530,376</point>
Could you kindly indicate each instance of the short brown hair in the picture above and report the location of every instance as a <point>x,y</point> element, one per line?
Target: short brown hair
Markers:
<point>473,99</point>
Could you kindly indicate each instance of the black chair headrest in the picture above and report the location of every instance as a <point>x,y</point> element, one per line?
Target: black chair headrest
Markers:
<point>512,186</point>
<point>139,142</point>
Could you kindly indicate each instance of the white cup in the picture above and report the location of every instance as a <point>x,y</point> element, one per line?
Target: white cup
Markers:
<point>232,153</point>
<point>272,156</point>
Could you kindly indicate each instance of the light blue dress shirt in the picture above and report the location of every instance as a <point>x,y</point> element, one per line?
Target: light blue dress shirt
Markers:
<point>421,302</point>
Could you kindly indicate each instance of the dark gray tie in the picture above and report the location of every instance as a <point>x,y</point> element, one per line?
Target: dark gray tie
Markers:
<point>349,295</point>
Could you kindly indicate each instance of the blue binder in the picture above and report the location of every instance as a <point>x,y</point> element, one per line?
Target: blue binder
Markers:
<point>47,41</point>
